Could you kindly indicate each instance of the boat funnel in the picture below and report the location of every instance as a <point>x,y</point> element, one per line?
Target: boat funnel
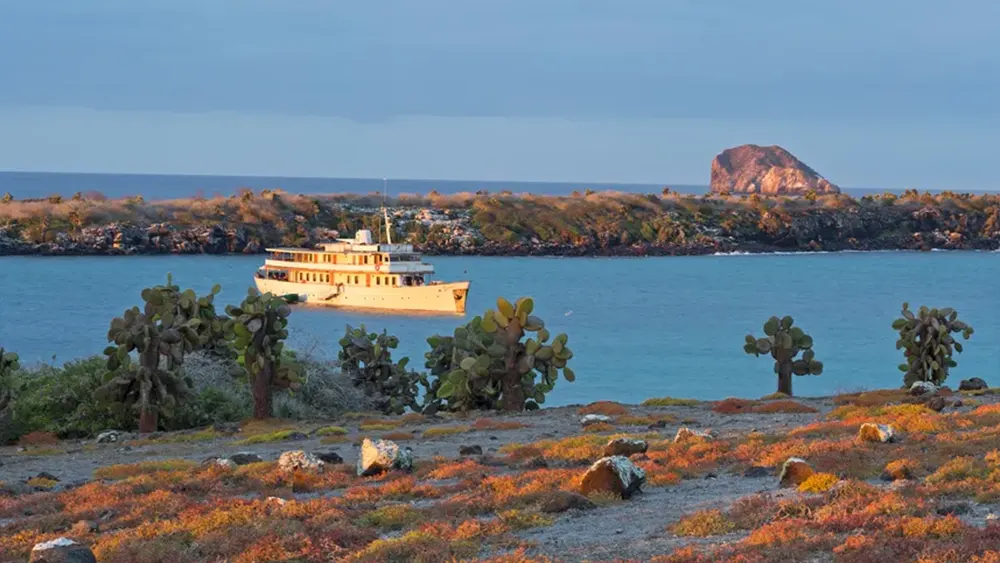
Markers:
<point>363,236</point>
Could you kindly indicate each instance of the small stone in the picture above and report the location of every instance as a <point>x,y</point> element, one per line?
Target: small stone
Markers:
<point>245,458</point>
<point>84,527</point>
<point>61,550</point>
<point>685,433</point>
<point>956,509</point>
<point>277,500</point>
<point>880,433</point>
<point>299,460</point>
<point>755,471</point>
<point>936,403</point>
<point>294,436</point>
<point>537,462</point>
<point>658,424</point>
<point>382,455</point>
<point>109,436</point>
<point>625,447</point>
<point>470,450</point>
<point>957,403</point>
<point>561,501</point>
<point>330,457</point>
<point>615,474</point>
<point>922,388</point>
<point>711,476</point>
<point>589,419</point>
<point>794,471</point>
<point>974,384</point>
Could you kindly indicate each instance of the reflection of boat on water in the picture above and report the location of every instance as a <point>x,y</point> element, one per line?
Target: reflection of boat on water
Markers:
<point>359,273</point>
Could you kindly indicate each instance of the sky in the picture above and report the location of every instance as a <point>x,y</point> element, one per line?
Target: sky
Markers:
<point>888,94</point>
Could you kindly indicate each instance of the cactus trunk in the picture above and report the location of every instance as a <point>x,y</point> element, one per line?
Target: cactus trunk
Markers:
<point>513,391</point>
<point>147,420</point>
<point>262,392</point>
<point>785,378</point>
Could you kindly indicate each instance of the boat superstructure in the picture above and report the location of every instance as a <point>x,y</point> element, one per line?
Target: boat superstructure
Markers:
<point>360,273</point>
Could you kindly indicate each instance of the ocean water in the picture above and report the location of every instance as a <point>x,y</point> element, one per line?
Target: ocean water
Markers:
<point>639,327</point>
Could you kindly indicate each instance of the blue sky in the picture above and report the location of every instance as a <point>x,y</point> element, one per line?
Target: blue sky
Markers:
<point>871,94</point>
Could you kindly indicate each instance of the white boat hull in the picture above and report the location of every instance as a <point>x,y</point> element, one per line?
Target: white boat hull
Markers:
<point>431,298</point>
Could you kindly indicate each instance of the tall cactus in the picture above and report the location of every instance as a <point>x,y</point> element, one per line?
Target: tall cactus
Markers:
<point>367,358</point>
<point>171,324</point>
<point>258,328</point>
<point>784,341</point>
<point>486,364</point>
<point>927,343</point>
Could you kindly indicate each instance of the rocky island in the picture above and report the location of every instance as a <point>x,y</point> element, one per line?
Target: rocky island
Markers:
<point>763,199</point>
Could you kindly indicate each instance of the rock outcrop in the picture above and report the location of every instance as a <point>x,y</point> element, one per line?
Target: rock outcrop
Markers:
<point>765,170</point>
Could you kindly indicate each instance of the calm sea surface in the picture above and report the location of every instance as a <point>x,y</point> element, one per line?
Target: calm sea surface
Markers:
<point>638,327</point>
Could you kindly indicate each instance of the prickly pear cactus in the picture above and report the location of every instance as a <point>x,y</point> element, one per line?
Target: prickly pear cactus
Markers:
<point>8,365</point>
<point>258,329</point>
<point>927,343</point>
<point>171,324</point>
<point>367,358</point>
<point>487,365</point>
<point>783,342</point>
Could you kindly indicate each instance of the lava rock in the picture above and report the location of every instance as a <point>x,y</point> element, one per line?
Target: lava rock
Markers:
<point>329,458</point>
<point>299,460</point>
<point>974,384</point>
<point>561,501</point>
<point>383,455</point>
<point>61,550</point>
<point>936,403</point>
<point>625,447</point>
<point>245,458</point>
<point>616,475</point>
<point>470,450</point>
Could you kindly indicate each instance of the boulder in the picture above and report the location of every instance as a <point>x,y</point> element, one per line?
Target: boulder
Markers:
<point>974,384</point>
<point>561,501</point>
<point>110,436</point>
<point>879,433</point>
<point>61,550</point>
<point>470,450</point>
<point>330,457</point>
<point>625,447</point>
<point>794,471</point>
<point>589,419</point>
<point>922,388</point>
<point>767,170</point>
<point>685,433</point>
<point>615,474</point>
<point>299,460</point>
<point>382,455</point>
<point>936,403</point>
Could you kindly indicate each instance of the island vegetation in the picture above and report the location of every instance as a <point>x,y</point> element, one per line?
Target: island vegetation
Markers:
<point>482,223</point>
<point>459,462</point>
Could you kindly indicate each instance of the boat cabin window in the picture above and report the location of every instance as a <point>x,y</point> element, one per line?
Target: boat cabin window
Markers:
<point>378,280</point>
<point>355,280</point>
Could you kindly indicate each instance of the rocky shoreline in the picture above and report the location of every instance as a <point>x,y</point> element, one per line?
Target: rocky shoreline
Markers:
<point>584,225</point>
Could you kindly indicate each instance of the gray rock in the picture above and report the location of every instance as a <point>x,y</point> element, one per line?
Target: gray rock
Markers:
<point>245,458</point>
<point>330,457</point>
<point>922,388</point>
<point>61,550</point>
<point>382,455</point>
<point>110,436</point>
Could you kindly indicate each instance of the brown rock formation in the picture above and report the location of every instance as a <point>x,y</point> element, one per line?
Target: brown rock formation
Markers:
<point>766,170</point>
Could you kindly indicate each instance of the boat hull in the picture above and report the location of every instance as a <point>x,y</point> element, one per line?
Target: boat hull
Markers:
<point>447,298</point>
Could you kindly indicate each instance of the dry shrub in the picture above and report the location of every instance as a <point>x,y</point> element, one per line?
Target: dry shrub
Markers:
<point>733,406</point>
<point>818,483</point>
<point>670,402</point>
<point>877,398</point>
<point>901,469</point>
<point>489,424</point>
<point>398,436</point>
<point>608,408</point>
<point>440,431</point>
<point>784,406</point>
<point>38,438</point>
<point>599,427</point>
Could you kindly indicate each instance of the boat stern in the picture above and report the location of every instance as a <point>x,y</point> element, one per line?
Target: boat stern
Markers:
<point>461,295</point>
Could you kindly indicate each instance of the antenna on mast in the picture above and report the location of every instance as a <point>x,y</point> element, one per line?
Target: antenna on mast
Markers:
<point>388,229</point>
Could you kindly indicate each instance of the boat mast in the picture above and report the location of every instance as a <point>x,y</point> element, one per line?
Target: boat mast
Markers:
<point>388,230</point>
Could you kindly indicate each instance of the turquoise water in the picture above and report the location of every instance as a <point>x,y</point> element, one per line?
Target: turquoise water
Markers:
<point>639,327</point>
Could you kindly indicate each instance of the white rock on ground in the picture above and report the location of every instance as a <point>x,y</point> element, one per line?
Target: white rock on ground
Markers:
<point>589,419</point>
<point>61,550</point>
<point>613,474</point>
<point>871,432</point>
<point>299,460</point>
<point>684,433</point>
<point>109,436</point>
<point>794,471</point>
<point>382,455</point>
<point>923,388</point>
